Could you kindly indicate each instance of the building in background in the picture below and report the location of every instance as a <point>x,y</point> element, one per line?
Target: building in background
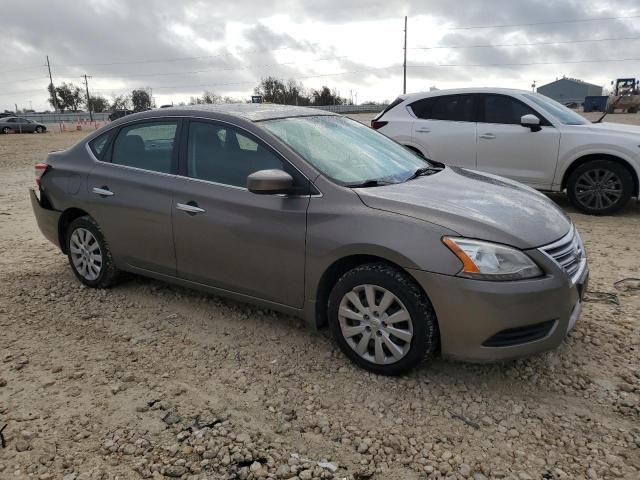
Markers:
<point>567,90</point>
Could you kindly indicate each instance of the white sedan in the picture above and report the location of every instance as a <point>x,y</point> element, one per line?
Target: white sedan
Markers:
<point>523,136</point>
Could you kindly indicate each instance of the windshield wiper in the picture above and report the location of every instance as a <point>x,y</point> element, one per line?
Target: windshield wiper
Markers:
<point>368,183</point>
<point>424,171</point>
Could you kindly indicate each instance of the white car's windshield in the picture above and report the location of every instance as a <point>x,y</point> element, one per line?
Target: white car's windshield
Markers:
<point>346,151</point>
<point>560,112</point>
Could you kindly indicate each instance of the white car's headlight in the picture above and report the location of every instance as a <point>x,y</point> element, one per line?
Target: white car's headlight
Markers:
<point>491,261</point>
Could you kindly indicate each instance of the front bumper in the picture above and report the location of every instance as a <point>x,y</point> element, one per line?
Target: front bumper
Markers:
<point>47,218</point>
<point>483,321</point>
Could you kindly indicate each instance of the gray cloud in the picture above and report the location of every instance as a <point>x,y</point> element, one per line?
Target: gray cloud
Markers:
<point>82,37</point>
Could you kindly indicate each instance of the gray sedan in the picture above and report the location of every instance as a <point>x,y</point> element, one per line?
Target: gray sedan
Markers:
<point>315,215</point>
<point>20,125</point>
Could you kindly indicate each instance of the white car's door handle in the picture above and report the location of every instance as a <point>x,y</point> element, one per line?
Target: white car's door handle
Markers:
<point>488,136</point>
<point>423,130</point>
<point>103,192</point>
<point>185,207</point>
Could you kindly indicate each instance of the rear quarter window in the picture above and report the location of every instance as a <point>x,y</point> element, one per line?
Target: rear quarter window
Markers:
<point>393,104</point>
<point>98,145</point>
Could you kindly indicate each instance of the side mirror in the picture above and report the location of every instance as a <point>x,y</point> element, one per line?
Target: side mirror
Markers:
<point>530,121</point>
<point>269,182</point>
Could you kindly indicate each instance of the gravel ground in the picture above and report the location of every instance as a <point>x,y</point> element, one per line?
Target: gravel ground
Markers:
<point>148,380</point>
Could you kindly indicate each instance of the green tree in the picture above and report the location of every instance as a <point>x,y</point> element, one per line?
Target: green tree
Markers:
<point>141,100</point>
<point>275,90</point>
<point>98,104</point>
<point>54,101</point>
<point>207,97</point>
<point>324,96</point>
<point>67,96</point>
<point>120,102</point>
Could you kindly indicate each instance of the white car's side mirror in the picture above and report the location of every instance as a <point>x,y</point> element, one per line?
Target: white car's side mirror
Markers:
<point>530,121</point>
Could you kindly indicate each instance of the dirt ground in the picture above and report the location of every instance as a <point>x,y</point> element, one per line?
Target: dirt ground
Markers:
<point>147,380</point>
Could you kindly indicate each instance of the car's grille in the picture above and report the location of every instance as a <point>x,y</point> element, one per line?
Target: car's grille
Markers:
<point>568,252</point>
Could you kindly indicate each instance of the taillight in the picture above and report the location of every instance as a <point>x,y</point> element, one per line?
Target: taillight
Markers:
<point>376,124</point>
<point>40,168</point>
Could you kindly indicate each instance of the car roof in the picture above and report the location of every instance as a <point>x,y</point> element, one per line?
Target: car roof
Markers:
<point>253,112</point>
<point>454,91</point>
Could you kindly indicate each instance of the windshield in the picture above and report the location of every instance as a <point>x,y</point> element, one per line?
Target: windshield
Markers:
<point>346,151</point>
<point>563,114</point>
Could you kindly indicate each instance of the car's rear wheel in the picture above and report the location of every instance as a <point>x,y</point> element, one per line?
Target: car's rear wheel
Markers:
<point>600,187</point>
<point>89,254</point>
<point>6,130</point>
<point>382,320</point>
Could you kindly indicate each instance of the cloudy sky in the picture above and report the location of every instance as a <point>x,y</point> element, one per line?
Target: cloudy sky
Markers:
<point>181,48</point>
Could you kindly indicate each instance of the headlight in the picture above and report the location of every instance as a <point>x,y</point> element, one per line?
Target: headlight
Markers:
<point>491,261</point>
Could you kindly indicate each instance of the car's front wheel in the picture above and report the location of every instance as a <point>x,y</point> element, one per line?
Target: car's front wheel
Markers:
<point>39,129</point>
<point>6,130</point>
<point>382,320</point>
<point>89,254</point>
<point>600,187</point>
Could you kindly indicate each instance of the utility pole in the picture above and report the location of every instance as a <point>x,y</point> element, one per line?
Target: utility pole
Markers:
<point>86,86</point>
<point>404,65</point>
<point>53,93</point>
<point>53,88</point>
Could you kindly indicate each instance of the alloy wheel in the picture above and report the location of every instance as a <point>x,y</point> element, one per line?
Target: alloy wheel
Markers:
<point>598,188</point>
<point>375,324</point>
<point>85,253</point>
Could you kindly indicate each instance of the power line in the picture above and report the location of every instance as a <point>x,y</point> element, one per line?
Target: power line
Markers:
<point>492,45</point>
<point>204,85</point>
<point>554,22</point>
<point>567,62</point>
<point>208,70</point>
<point>40,77</point>
<point>23,68</point>
<point>178,59</point>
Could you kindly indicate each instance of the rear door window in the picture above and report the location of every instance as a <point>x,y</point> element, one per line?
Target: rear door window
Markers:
<point>147,146</point>
<point>453,108</point>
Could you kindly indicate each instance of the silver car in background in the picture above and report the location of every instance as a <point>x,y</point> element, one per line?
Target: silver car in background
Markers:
<point>316,215</point>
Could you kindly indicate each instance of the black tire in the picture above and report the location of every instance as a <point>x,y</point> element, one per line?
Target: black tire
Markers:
<point>39,129</point>
<point>633,110</point>
<point>620,180</point>
<point>6,130</point>
<point>108,272</point>
<point>425,340</point>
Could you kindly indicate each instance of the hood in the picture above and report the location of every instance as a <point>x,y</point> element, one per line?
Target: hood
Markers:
<point>475,205</point>
<point>608,127</point>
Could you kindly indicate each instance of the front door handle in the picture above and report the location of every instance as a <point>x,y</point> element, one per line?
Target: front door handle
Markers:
<point>191,208</point>
<point>423,130</point>
<point>102,191</point>
<point>488,136</point>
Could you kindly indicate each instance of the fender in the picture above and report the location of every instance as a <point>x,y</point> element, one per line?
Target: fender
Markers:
<point>576,154</point>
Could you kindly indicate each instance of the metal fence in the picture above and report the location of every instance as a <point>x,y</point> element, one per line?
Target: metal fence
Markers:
<point>352,108</point>
<point>80,117</point>
<point>83,117</point>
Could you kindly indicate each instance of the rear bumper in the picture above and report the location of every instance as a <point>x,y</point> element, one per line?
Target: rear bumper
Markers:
<point>47,219</point>
<point>484,321</point>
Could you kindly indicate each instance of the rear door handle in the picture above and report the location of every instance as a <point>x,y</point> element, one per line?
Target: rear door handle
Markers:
<point>488,136</point>
<point>191,208</point>
<point>102,191</point>
<point>423,130</point>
